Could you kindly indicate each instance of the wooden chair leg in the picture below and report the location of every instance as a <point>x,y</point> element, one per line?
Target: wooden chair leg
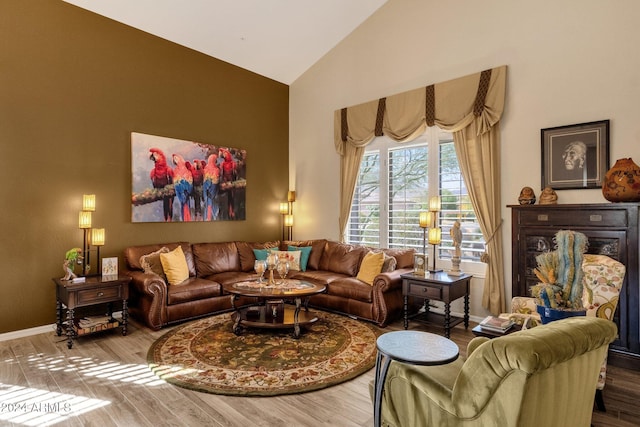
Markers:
<point>600,401</point>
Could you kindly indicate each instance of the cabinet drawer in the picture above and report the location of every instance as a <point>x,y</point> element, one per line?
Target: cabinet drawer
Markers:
<point>575,218</point>
<point>424,291</point>
<point>97,295</point>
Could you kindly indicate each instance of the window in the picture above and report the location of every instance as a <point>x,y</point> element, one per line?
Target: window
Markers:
<point>394,185</point>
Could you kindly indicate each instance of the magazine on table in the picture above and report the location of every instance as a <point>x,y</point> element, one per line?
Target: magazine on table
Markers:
<point>496,324</point>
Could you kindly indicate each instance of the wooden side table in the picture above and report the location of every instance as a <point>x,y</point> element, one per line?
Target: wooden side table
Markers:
<point>94,290</point>
<point>410,347</point>
<point>439,287</point>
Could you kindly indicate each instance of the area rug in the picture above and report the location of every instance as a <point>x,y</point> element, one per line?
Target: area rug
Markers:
<point>205,355</point>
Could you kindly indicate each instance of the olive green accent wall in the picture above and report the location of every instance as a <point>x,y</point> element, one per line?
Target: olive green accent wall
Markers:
<point>73,86</point>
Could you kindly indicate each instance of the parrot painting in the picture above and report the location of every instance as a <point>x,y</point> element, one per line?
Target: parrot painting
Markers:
<point>197,171</point>
<point>162,175</point>
<point>183,184</point>
<point>211,179</point>
<point>229,175</point>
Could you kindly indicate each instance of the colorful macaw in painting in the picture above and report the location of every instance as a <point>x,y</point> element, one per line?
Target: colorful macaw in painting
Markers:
<point>183,184</point>
<point>229,175</point>
<point>211,179</point>
<point>162,175</point>
<point>197,171</point>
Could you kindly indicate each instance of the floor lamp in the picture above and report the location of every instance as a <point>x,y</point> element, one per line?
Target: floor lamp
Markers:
<point>435,232</point>
<point>284,211</point>
<point>425,223</point>
<point>435,237</point>
<point>288,219</point>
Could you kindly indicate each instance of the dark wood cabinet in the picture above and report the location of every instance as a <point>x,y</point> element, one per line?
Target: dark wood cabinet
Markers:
<point>612,229</point>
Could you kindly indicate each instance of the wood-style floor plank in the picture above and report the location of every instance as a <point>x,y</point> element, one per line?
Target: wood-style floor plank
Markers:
<point>112,369</point>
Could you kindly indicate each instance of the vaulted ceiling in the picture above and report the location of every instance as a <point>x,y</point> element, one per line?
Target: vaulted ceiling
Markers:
<point>279,39</point>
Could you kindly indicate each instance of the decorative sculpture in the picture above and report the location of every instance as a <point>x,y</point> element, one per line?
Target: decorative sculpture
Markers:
<point>72,257</point>
<point>527,196</point>
<point>456,236</point>
<point>548,196</point>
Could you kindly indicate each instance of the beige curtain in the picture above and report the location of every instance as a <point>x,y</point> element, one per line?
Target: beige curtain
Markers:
<point>471,108</point>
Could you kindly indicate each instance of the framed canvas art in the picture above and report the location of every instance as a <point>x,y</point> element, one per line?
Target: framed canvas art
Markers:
<point>575,156</point>
<point>175,180</point>
<point>110,268</point>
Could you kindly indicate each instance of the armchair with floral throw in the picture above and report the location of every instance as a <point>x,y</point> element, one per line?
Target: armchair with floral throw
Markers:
<point>602,282</point>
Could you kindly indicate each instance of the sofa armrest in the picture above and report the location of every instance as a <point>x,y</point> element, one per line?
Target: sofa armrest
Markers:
<point>385,282</point>
<point>149,297</point>
<point>387,295</point>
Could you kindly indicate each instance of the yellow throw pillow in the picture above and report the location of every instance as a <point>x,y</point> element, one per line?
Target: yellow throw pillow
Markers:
<point>175,266</point>
<point>370,267</point>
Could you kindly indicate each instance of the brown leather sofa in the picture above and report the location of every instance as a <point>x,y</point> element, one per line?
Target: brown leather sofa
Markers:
<point>211,265</point>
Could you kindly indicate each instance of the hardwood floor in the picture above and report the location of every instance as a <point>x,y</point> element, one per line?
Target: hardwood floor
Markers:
<point>104,381</point>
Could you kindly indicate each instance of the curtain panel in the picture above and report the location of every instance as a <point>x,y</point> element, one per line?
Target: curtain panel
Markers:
<point>470,107</point>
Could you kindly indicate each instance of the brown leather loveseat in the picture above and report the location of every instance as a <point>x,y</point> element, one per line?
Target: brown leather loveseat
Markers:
<point>211,265</point>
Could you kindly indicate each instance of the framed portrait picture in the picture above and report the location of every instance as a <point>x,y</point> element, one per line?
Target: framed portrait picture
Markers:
<point>419,264</point>
<point>575,156</point>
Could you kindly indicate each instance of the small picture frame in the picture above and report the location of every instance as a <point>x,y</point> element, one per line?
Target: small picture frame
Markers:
<point>110,268</point>
<point>575,156</point>
<point>419,264</point>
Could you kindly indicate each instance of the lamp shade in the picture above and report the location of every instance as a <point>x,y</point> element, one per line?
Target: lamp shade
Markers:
<point>88,202</point>
<point>425,219</point>
<point>435,236</point>
<point>291,196</point>
<point>434,204</point>
<point>288,220</point>
<point>284,208</point>
<point>97,236</point>
<point>84,219</point>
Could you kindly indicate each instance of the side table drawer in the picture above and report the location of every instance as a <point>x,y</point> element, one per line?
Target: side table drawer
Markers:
<point>94,296</point>
<point>422,291</point>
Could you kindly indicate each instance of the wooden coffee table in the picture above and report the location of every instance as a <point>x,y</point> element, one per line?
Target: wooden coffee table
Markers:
<point>271,312</point>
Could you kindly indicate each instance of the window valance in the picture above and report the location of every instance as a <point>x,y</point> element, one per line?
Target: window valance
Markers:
<point>470,108</point>
<point>451,105</point>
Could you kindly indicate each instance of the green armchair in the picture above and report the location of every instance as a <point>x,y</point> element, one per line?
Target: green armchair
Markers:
<point>545,376</point>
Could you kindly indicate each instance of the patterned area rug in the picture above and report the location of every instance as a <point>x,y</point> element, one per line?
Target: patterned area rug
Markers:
<point>205,355</point>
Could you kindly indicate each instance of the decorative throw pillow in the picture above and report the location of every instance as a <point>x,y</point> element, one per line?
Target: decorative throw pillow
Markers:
<point>151,262</point>
<point>389,264</point>
<point>261,254</point>
<point>292,256</point>
<point>175,266</point>
<point>305,251</point>
<point>371,266</point>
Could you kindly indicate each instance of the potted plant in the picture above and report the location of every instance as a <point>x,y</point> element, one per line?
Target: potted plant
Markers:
<point>559,292</point>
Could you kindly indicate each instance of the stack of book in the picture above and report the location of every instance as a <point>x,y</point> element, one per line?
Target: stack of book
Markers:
<point>89,325</point>
<point>88,322</point>
<point>496,324</point>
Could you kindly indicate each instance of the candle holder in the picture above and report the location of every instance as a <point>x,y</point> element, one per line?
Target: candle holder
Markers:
<point>260,266</point>
<point>272,261</point>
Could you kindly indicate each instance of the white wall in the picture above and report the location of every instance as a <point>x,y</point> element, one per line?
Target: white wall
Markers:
<point>568,62</point>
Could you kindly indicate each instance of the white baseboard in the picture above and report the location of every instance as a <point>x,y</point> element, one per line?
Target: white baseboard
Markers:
<point>38,330</point>
<point>27,332</point>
